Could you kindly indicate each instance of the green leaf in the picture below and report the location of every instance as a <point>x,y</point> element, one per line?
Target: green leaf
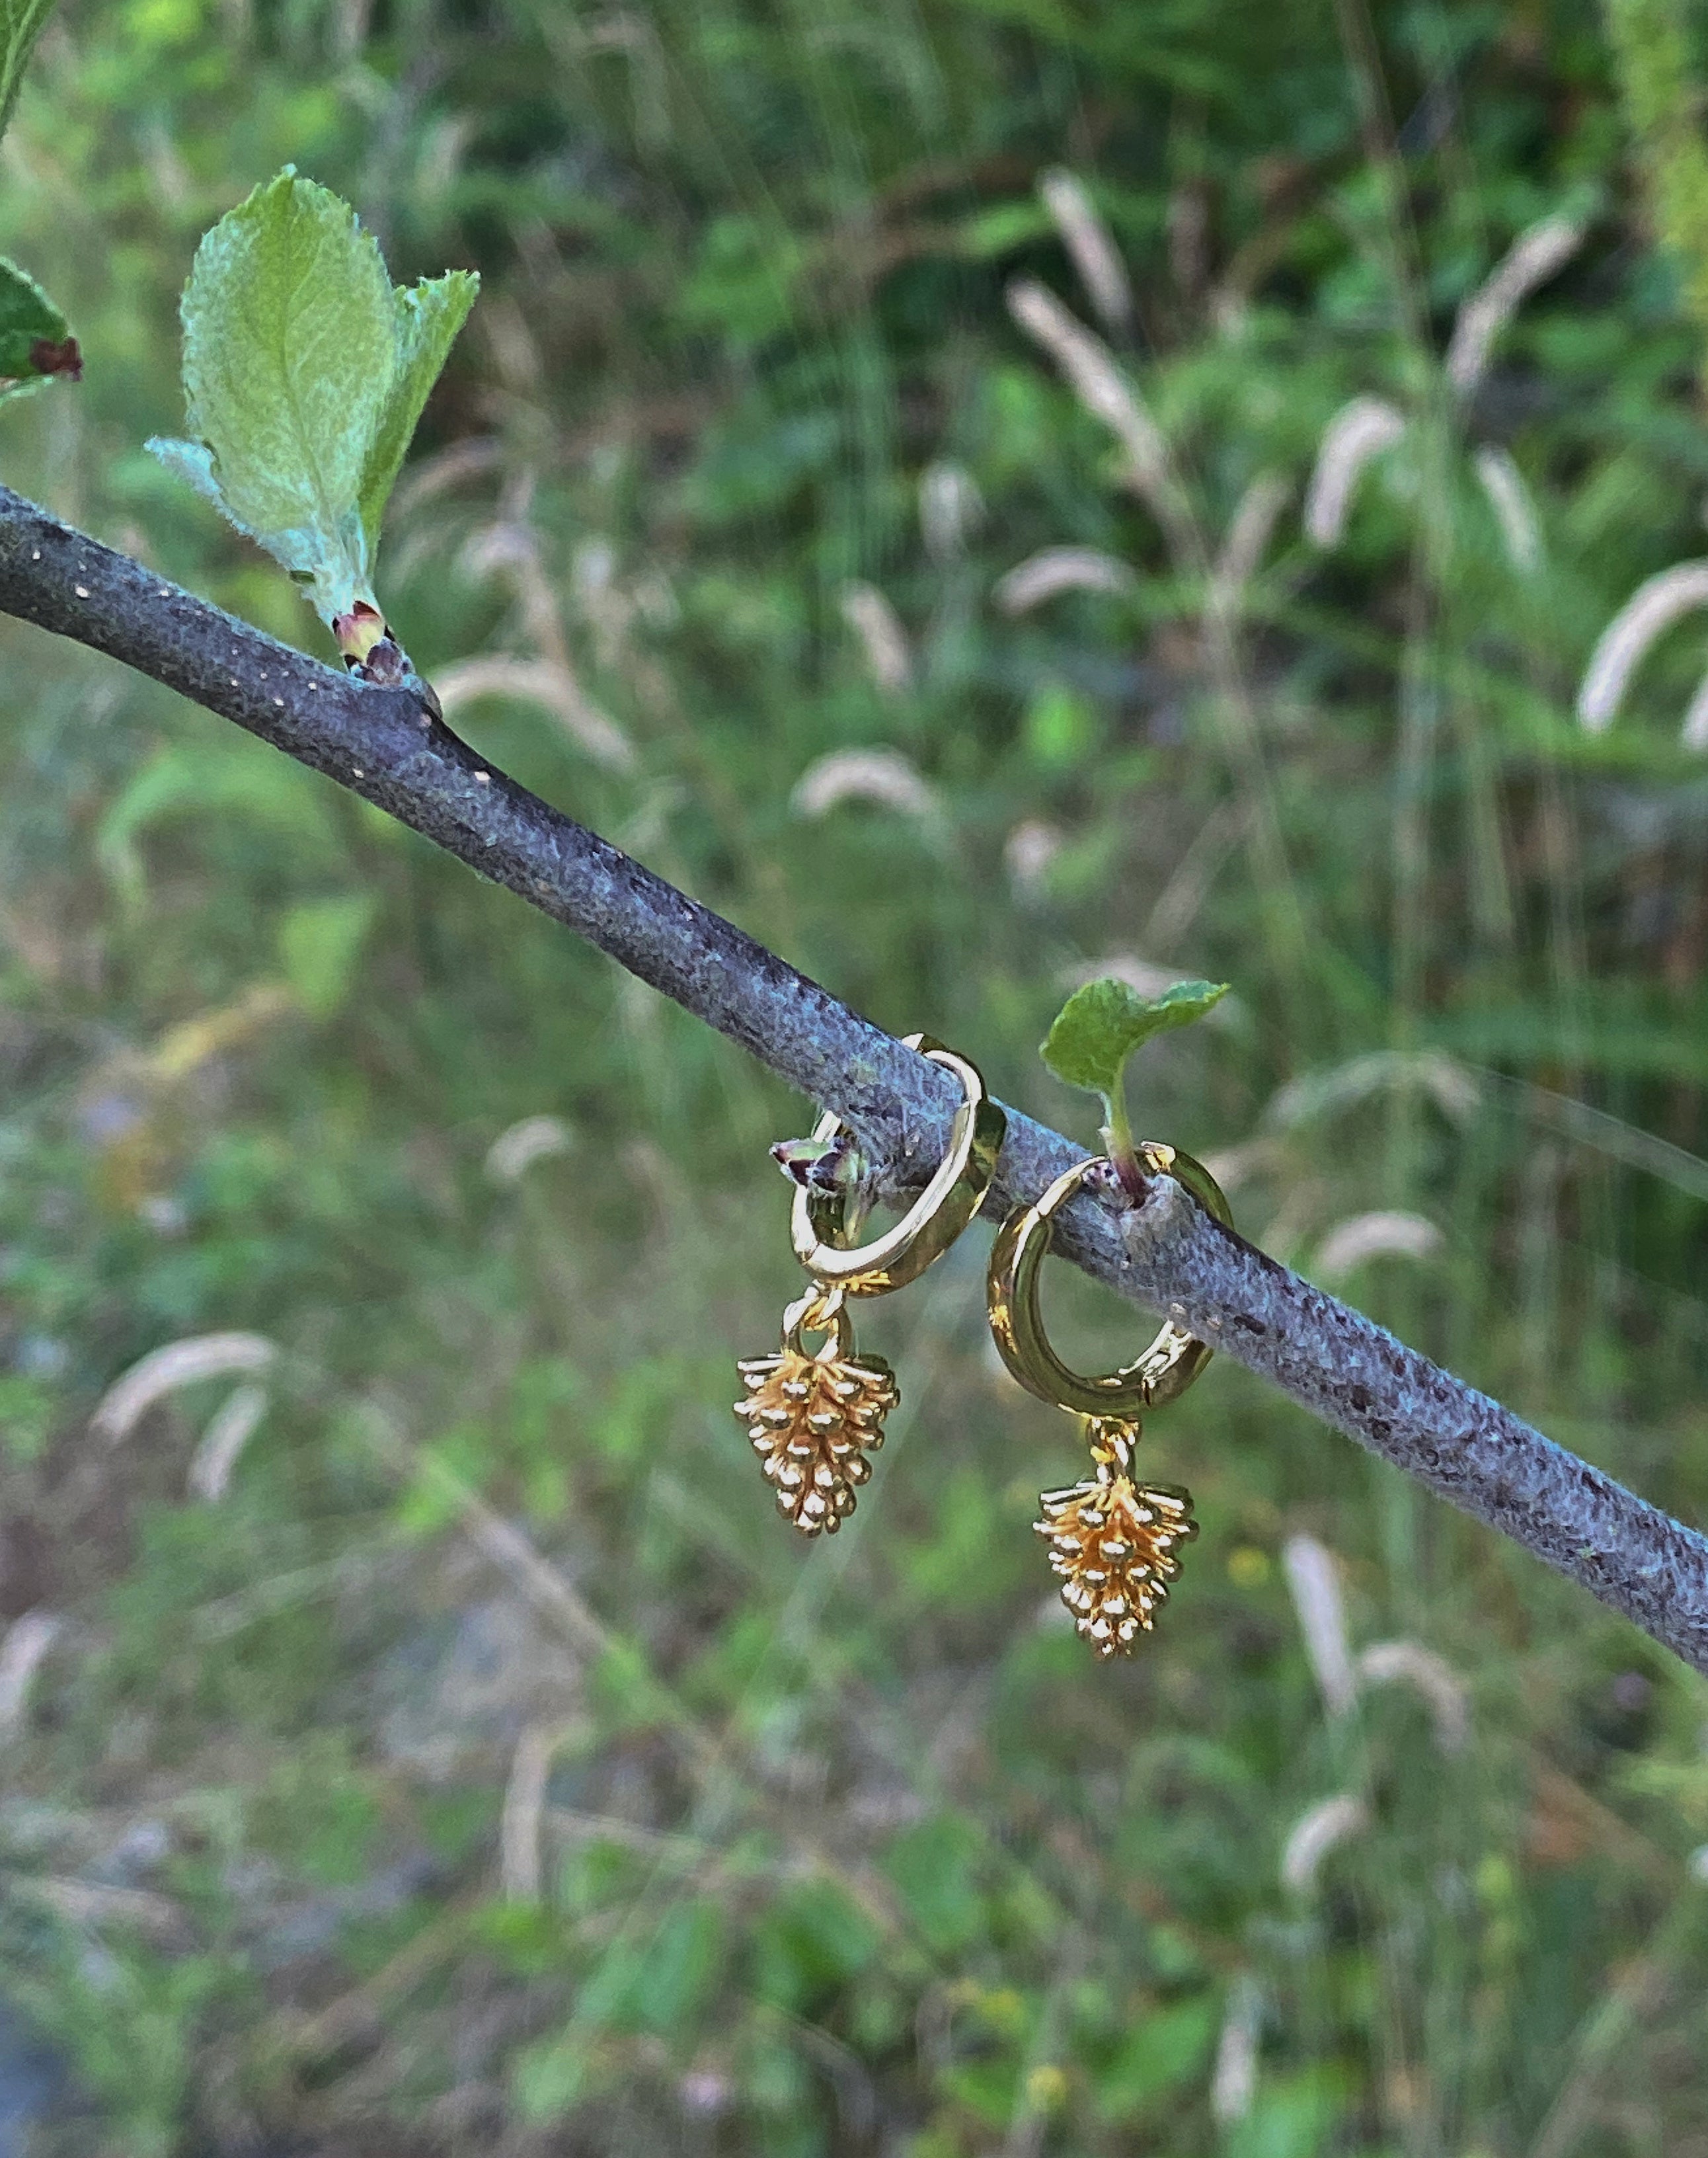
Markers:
<point>427,319</point>
<point>1293,2116</point>
<point>989,2088</point>
<point>1166,2047</point>
<point>1002,229</point>
<point>547,2076</point>
<point>1101,1025</point>
<point>290,356</point>
<point>813,1939</point>
<point>676,1971</point>
<point>304,375</point>
<point>934,1869</point>
<point>192,463</point>
<point>20,26</point>
<point>36,343</point>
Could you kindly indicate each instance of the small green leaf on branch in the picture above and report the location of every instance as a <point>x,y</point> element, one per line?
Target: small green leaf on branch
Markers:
<point>305,373</point>
<point>426,320</point>
<point>1095,1033</point>
<point>35,341</point>
<point>1101,1025</point>
<point>20,26</point>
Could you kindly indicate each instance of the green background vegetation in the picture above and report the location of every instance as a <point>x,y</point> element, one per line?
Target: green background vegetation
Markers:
<point>851,1849</point>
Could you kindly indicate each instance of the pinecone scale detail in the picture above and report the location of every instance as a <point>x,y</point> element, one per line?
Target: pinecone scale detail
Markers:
<point>813,1421</point>
<point>1114,1544</point>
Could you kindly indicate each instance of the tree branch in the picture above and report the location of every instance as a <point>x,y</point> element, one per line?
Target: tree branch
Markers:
<point>1166,1256</point>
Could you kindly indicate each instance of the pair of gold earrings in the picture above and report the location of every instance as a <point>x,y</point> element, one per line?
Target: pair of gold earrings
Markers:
<point>815,1416</point>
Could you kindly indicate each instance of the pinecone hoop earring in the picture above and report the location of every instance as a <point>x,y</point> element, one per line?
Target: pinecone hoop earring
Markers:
<point>1114,1542</point>
<point>814,1416</point>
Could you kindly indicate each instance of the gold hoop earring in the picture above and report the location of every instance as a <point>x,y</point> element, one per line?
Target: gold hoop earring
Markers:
<point>814,1416</point>
<point>1113,1542</point>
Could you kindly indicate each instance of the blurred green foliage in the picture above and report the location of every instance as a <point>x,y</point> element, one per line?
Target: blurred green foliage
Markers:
<point>1663,97</point>
<point>462,1756</point>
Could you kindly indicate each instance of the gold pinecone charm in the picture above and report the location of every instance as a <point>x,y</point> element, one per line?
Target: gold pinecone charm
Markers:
<point>1113,1542</point>
<point>814,1419</point>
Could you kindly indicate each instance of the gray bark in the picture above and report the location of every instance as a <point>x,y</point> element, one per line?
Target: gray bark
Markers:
<point>1165,1255</point>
